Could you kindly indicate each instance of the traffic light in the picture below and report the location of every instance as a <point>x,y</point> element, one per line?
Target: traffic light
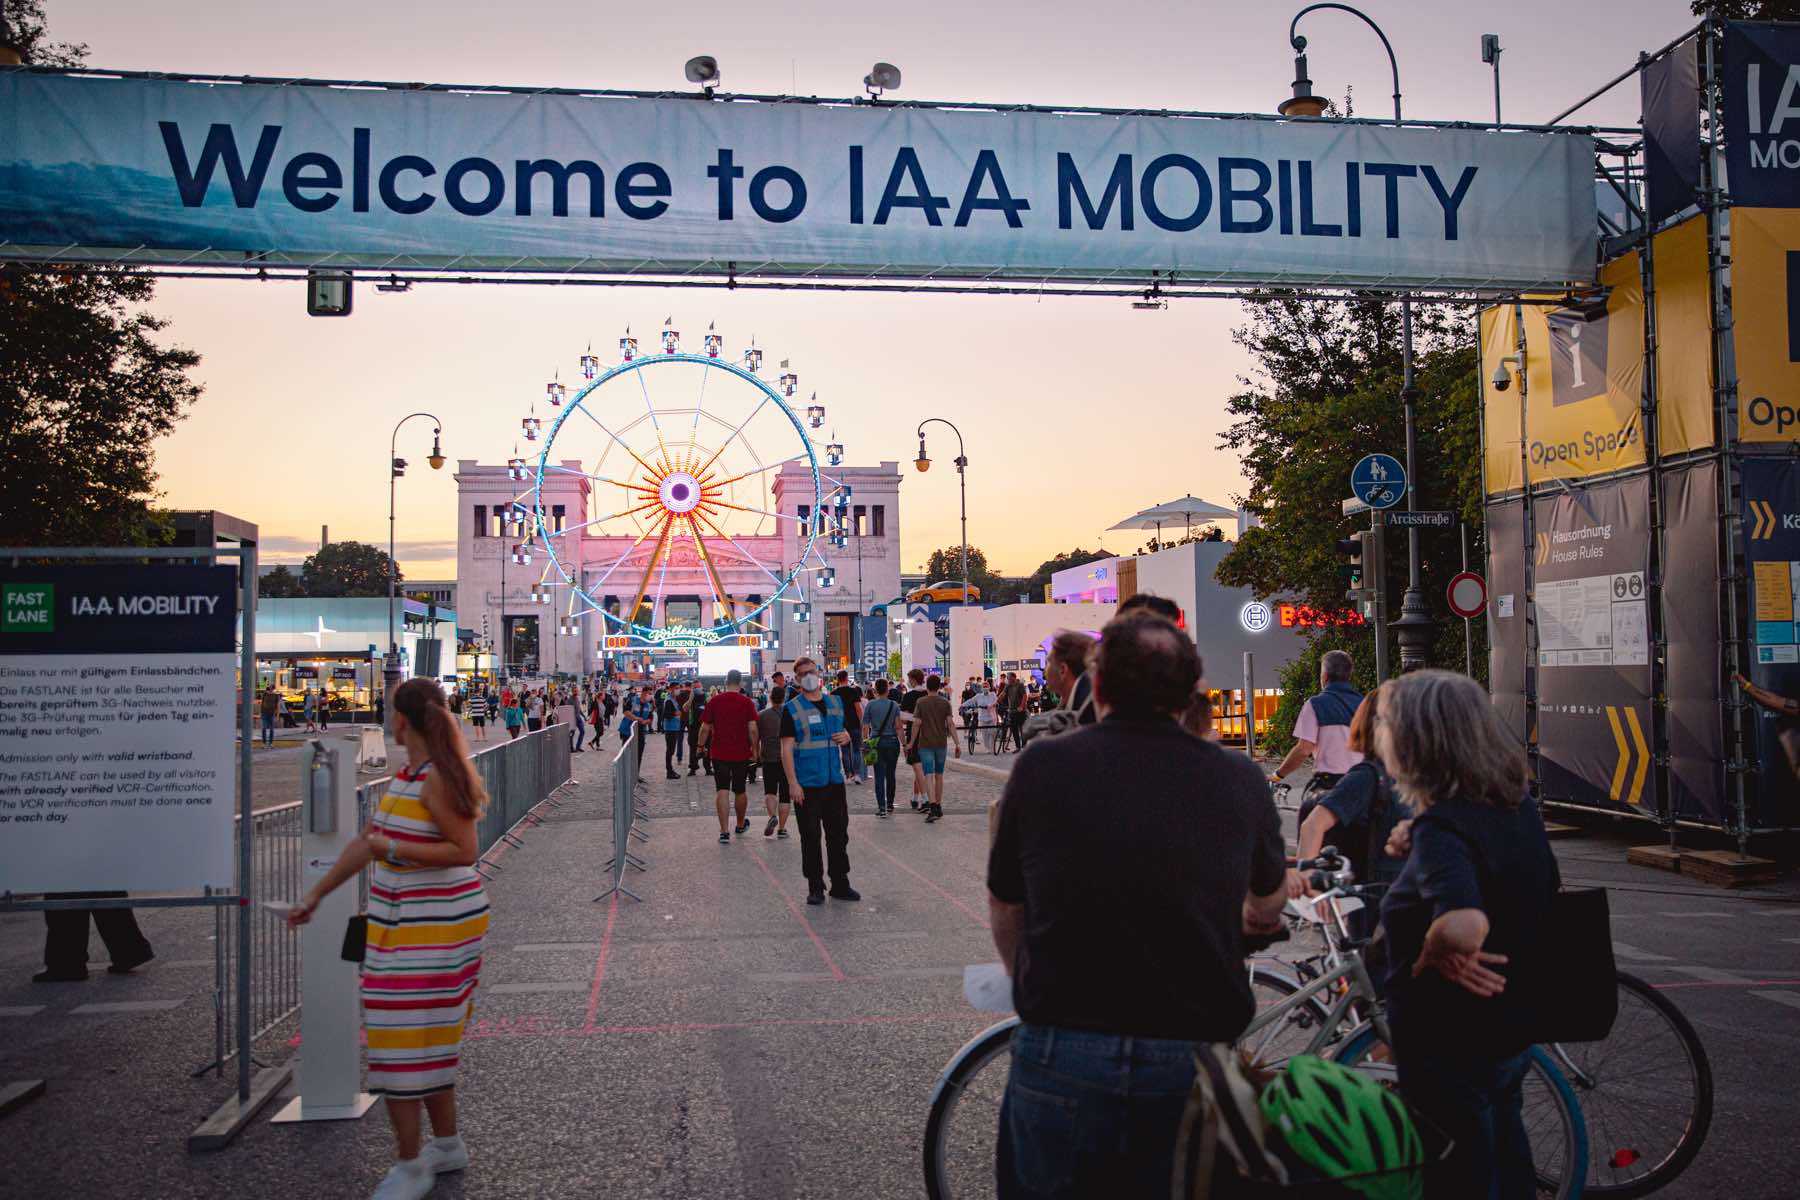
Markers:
<point>1351,569</point>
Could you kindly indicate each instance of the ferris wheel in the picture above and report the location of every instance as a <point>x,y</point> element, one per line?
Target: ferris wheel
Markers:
<point>680,452</point>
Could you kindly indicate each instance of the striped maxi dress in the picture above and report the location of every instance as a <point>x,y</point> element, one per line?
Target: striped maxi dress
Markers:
<point>426,928</point>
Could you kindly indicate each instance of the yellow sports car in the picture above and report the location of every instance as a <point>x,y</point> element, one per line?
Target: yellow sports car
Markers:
<point>949,591</point>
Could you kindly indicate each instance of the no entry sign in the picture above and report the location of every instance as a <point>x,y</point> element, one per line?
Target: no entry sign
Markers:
<point>1467,594</point>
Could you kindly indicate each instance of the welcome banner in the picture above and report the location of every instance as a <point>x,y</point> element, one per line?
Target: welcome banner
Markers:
<point>161,171</point>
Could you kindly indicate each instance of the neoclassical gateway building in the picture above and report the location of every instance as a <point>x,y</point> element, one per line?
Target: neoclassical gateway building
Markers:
<point>688,573</point>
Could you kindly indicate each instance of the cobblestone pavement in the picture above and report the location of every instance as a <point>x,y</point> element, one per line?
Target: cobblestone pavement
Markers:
<point>721,1038</point>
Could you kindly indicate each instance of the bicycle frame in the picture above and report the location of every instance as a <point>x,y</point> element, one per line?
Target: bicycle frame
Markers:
<point>1348,969</point>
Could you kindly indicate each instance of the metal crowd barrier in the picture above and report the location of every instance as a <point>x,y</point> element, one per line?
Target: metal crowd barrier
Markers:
<point>520,775</point>
<point>274,976</point>
<point>627,811</point>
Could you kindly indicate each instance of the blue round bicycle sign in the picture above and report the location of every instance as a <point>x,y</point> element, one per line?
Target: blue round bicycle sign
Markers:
<point>1379,480</point>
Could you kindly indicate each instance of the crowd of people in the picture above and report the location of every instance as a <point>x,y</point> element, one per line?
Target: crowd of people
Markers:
<point>1133,860</point>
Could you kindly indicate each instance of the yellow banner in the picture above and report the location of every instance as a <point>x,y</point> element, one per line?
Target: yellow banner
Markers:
<point>1765,269</point>
<point>1684,378</point>
<point>1584,371</point>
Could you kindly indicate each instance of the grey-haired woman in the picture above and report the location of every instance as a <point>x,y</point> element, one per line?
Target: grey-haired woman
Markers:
<point>1462,922</point>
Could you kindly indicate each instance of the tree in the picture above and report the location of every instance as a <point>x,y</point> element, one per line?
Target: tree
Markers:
<point>280,583</point>
<point>25,21</point>
<point>347,569</point>
<point>86,389</point>
<point>85,394</point>
<point>1750,10</point>
<point>947,564</point>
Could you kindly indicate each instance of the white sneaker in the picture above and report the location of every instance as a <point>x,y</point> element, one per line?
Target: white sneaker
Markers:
<point>406,1181</point>
<point>445,1154</point>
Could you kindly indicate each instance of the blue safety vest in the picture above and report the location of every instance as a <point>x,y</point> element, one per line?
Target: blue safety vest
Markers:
<point>817,762</point>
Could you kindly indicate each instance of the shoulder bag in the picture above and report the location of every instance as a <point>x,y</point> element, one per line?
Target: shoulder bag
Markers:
<point>872,744</point>
<point>1574,992</point>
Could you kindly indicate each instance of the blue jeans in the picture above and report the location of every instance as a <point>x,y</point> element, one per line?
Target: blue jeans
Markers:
<point>1477,1103</point>
<point>887,761</point>
<point>1091,1114</point>
<point>852,752</point>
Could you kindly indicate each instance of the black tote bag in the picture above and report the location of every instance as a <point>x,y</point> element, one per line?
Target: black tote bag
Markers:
<point>1575,993</point>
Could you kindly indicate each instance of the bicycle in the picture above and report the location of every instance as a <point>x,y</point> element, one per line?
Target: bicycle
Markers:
<point>959,1154</point>
<point>1644,1091</point>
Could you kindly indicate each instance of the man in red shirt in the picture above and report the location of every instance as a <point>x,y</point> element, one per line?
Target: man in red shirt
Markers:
<point>728,735</point>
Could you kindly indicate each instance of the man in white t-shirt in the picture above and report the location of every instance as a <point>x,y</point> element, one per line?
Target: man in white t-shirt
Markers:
<point>1323,728</point>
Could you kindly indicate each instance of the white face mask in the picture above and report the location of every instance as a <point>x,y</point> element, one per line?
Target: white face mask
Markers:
<point>810,682</point>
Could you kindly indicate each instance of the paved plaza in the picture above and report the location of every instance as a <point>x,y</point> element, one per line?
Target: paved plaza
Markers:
<point>722,1039</point>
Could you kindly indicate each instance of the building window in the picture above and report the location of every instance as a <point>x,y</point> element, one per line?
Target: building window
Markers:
<point>804,513</point>
<point>556,517</point>
<point>859,520</point>
<point>481,525</point>
<point>878,521</point>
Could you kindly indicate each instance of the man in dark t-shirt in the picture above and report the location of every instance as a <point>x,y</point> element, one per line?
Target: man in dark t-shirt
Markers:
<point>1130,860</point>
<point>909,700</point>
<point>851,697</point>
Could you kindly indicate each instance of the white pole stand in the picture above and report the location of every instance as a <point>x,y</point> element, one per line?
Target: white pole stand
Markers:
<point>330,997</point>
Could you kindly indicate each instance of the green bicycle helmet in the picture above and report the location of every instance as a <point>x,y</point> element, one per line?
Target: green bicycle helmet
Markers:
<point>1345,1125</point>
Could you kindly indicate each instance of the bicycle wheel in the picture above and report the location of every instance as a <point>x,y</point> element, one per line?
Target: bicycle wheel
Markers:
<point>1553,1120</point>
<point>1645,1090</point>
<point>963,1129</point>
<point>1290,1033</point>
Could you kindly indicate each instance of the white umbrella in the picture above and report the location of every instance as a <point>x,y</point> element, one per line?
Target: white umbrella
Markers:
<point>1188,507</point>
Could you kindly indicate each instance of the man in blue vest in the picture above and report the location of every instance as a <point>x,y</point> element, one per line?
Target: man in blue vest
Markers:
<point>1323,729</point>
<point>812,730</point>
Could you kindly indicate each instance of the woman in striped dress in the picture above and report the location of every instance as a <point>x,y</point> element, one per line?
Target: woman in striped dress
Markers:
<point>428,916</point>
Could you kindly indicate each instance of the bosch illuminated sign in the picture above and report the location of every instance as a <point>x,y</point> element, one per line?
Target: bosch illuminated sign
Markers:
<point>1302,616</point>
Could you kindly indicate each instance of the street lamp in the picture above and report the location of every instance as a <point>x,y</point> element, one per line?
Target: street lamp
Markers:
<point>390,667</point>
<point>923,463</point>
<point>1415,623</point>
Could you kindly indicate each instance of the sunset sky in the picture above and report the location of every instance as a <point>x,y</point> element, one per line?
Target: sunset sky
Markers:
<point>1077,412</point>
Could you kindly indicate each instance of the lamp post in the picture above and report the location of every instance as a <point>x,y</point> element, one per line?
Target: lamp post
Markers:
<point>390,666</point>
<point>923,463</point>
<point>1415,623</point>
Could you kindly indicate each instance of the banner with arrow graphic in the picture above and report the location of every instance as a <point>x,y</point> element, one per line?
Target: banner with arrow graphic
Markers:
<point>1771,538</point>
<point>1591,609</point>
